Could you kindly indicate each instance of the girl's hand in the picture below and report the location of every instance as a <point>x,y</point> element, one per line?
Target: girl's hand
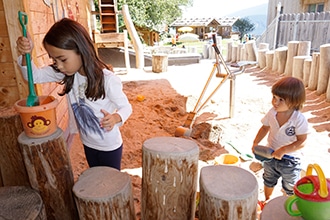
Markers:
<point>24,45</point>
<point>109,120</point>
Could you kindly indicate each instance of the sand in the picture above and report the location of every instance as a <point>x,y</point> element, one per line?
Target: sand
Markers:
<point>168,96</point>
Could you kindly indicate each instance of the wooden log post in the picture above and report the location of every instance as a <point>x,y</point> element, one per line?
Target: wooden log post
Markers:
<point>274,210</point>
<point>229,50</point>
<point>313,78</point>
<point>49,169</point>
<point>239,52</point>
<point>206,51</point>
<point>234,53</point>
<point>169,178</point>
<point>281,54</point>
<point>324,71</point>
<point>269,59</point>
<point>251,50</point>
<point>298,66</point>
<point>262,58</point>
<point>275,62</point>
<point>21,202</point>
<point>227,192</point>
<point>12,167</point>
<point>159,63</point>
<point>263,46</point>
<point>304,48</point>
<point>243,55</point>
<point>104,193</point>
<point>292,52</point>
<point>307,70</point>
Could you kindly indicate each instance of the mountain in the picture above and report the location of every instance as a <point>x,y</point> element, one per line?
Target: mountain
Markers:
<point>257,15</point>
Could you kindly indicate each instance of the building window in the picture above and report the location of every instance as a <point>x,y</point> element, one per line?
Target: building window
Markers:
<point>316,7</point>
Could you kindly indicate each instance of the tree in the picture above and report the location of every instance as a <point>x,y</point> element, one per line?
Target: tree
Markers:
<point>153,13</point>
<point>243,26</point>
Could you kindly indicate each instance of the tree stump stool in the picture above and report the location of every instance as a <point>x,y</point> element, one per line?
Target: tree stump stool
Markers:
<point>275,210</point>
<point>298,66</point>
<point>159,63</point>
<point>21,202</point>
<point>227,192</point>
<point>12,167</point>
<point>49,169</point>
<point>104,193</point>
<point>169,178</point>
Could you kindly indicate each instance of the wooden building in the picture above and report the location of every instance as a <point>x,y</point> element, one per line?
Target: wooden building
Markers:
<point>296,6</point>
<point>202,26</point>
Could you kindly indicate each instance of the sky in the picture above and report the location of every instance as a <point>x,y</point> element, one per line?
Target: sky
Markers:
<point>203,8</point>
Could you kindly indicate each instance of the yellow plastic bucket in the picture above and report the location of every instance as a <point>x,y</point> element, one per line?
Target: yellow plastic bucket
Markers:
<point>38,121</point>
<point>227,159</point>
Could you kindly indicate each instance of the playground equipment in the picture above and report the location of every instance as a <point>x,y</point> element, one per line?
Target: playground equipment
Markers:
<point>185,130</point>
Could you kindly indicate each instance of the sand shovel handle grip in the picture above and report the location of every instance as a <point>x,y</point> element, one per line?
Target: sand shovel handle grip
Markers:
<point>23,19</point>
<point>323,191</point>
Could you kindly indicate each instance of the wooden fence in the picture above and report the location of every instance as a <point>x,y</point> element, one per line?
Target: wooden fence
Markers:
<point>298,27</point>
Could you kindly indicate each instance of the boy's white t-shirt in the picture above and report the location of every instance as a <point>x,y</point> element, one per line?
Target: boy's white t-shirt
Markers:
<point>286,134</point>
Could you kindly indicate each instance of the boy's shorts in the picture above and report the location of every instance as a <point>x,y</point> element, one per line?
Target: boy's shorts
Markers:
<point>288,169</point>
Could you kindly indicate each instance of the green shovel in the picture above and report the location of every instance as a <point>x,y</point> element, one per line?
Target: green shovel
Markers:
<point>32,99</point>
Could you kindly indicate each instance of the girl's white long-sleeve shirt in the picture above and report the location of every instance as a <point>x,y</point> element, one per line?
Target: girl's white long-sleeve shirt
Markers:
<point>88,113</point>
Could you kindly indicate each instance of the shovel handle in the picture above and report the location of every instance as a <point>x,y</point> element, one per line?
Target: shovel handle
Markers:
<point>23,19</point>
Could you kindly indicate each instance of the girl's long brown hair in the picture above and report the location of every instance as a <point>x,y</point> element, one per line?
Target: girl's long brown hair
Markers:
<point>70,35</point>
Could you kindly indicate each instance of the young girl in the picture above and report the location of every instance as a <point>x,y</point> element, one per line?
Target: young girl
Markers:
<point>287,130</point>
<point>99,105</point>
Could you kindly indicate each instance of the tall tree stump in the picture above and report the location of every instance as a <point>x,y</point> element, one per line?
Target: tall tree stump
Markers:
<point>227,192</point>
<point>104,193</point>
<point>269,59</point>
<point>21,202</point>
<point>304,48</point>
<point>12,167</point>
<point>313,78</point>
<point>251,50</point>
<point>169,178</point>
<point>307,70</point>
<point>234,51</point>
<point>275,210</point>
<point>262,58</point>
<point>49,169</point>
<point>298,66</point>
<point>263,46</point>
<point>324,71</point>
<point>281,54</point>
<point>292,52</point>
<point>229,50</point>
<point>239,52</point>
<point>159,63</point>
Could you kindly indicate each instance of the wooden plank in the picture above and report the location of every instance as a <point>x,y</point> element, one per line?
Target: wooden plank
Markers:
<point>3,24</point>
<point>7,74</point>
<point>8,96</point>
<point>5,48</point>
